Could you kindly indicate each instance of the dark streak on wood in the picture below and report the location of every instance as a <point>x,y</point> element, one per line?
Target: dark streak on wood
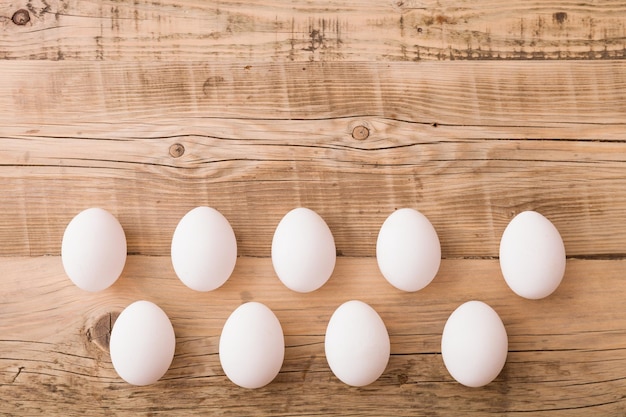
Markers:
<point>19,371</point>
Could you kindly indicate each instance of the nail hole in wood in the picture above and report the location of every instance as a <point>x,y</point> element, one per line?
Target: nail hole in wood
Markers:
<point>360,133</point>
<point>177,150</point>
<point>21,17</point>
<point>559,17</point>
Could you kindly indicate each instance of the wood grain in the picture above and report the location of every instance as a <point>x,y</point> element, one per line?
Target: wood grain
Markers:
<point>468,111</point>
<point>284,31</point>
<point>470,161</point>
<point>584,99</point>
<point>566,353</point>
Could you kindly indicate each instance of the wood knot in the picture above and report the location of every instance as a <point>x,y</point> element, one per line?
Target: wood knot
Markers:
<point>211,84</point>
<point>100,333</point>
<point>360,132</point>
<point>21,17</point>
<point>177,150</point>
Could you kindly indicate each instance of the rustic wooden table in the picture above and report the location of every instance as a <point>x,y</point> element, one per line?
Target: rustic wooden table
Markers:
<point>469,111</point>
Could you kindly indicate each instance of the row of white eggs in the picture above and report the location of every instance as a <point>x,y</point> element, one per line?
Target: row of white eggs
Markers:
<point>474,344</point>
<point>204,251</point>
<point>474,341</point>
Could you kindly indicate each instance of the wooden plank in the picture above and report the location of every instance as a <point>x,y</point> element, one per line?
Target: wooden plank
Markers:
<point>283,31</point>
<point>469,189</point>
<point>566,353</point>
<point>586,99</point>
<point>488,142</point>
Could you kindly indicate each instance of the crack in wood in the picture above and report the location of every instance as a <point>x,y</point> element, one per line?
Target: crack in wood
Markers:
<point>19,371</point>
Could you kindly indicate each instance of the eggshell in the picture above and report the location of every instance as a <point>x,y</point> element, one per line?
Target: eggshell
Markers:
<point>474,344</point>
<point>357,344</point>
<point>303,250</point>
<point>532,255</point>
<point>252,346</point>
<point>204,249</point>
<point>142,343</point>
<point>93,250</point>
<point>408,250</point>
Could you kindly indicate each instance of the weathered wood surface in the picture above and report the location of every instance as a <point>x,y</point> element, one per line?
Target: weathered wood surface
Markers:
<point>328,30</point>
<point>566,352</point>
<point>149,108</point>
<point>469,144</point>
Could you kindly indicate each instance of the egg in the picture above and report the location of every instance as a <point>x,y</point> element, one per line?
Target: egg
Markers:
<point>357,344</point>
<point>252,346</point>
<point>408,250</point>
<point>303,250</point>
<point>532,255</point>
<point>474,344</point>
<point>93,249</point>
<point>142,343</point>
<point>204,249</point>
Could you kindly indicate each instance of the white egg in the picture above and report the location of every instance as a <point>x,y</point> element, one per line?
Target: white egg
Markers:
<point>474,344</point>
<point>252,346</point>
<point>303,250</point>
<point>357,344</point>
<point>142,343</point>
<point>532,255</point>
<point>204,249</point>
<point>93,250</point>
<point>408,250</point>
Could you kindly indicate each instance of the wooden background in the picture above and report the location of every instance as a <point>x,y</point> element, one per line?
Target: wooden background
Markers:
<point>469,111</point>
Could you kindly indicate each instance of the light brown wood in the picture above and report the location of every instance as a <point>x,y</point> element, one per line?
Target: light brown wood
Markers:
<point>330,30</point>
<point>468,111</point>
<point>566,352</point>
<point>545,100</point>
<point>469,161</point>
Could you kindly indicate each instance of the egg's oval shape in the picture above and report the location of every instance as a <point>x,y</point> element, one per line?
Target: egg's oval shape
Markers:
<point>142,343</point>
<point>252,346</point>
<point>474,344</point>
<point>93,249</point>
<point>303,250</point>
<point>204,249</point>
<point>532,255</point>
<point>357,344</point>
<point>408,251</point>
